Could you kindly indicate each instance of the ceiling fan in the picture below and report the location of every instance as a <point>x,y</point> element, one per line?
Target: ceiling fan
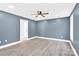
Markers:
<point>40,13</point>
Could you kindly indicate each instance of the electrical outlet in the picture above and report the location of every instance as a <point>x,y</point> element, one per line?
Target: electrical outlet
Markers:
<point>61,36</point>
<point>0,42</point>
<point>5,40</point>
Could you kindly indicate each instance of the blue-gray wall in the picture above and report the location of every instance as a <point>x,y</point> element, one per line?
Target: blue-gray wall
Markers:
<point>55,28</point>
<point>9,28</point>
<point>76,28</point>
<point>31,28</point>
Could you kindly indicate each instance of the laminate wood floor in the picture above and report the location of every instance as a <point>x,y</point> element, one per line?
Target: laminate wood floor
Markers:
<point>38,47</point>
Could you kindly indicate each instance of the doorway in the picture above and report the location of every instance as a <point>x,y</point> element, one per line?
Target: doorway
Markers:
<point>23,29</point>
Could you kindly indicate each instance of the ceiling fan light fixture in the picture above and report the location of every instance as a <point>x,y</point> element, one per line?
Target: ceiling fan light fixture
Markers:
<point>40,13</point>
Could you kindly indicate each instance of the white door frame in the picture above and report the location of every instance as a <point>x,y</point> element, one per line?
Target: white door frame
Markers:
<point>23,29</point>
<point>71,28</point>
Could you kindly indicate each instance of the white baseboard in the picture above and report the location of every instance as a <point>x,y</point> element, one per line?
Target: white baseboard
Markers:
<point>76,54</point>
<point>53,39</point>
<point>10,44</point>
<point>32,38</point>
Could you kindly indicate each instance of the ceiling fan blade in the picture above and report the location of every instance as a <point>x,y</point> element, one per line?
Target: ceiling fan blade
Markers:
<point>42,15</point>
<point>45,13</point>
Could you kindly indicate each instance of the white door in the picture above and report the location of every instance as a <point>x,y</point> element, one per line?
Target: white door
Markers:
<point>23,29</point>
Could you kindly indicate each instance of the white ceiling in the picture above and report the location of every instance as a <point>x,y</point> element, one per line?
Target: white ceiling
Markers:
<point>55,10</point>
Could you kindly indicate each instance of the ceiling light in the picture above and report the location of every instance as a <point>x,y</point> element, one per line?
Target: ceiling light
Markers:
<point>11,7</point>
